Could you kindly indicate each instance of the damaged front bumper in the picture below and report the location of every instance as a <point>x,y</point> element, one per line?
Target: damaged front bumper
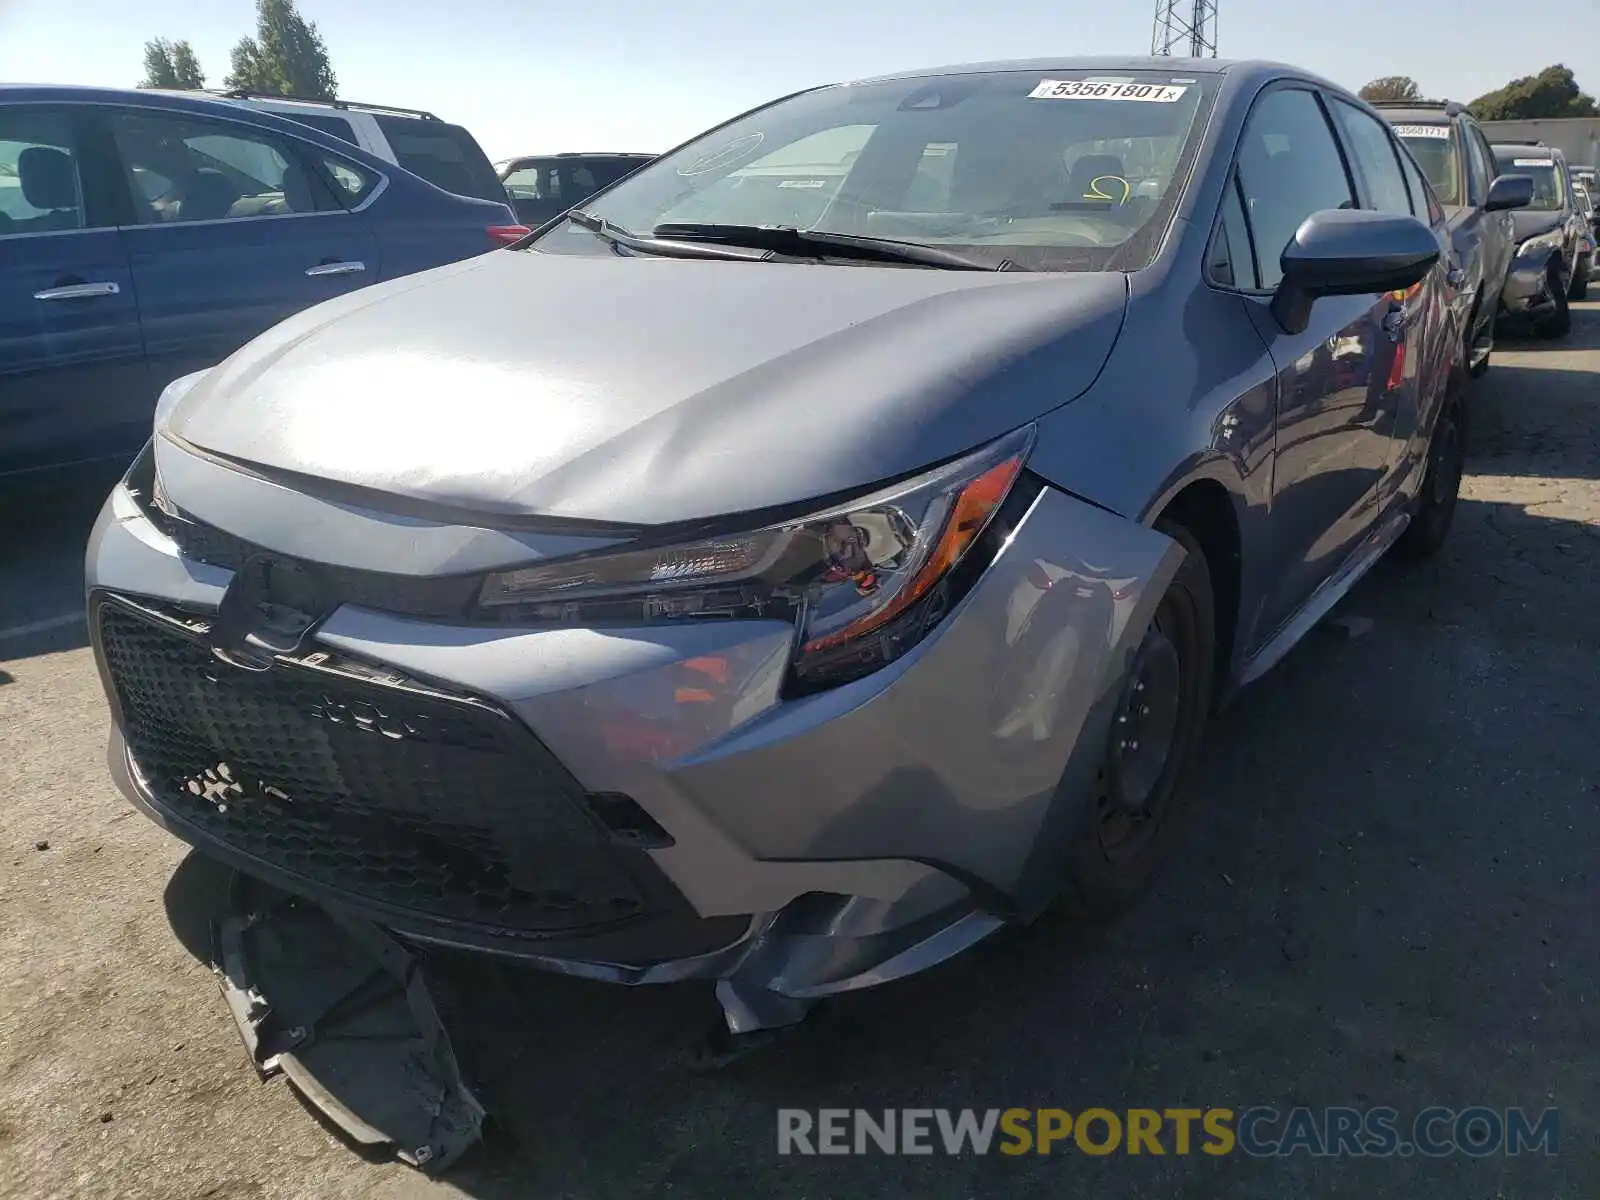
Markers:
<point>558,797</point>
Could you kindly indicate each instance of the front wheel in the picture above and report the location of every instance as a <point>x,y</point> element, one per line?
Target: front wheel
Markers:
<point>1559,322</point>
<point>1125,833</point>
<point>1441,486</point>
<point>1483,347</point>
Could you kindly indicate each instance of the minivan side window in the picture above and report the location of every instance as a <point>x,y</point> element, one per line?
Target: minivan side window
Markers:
<point>1289,167</point>
<point>182,168</point>
<point>1373,149</point>
<point>40,191</point>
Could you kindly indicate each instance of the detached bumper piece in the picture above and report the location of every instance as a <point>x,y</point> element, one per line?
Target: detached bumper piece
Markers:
<point>342,1009</point>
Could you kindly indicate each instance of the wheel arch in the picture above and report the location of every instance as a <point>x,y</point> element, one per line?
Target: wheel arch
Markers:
<point>1206,507</point>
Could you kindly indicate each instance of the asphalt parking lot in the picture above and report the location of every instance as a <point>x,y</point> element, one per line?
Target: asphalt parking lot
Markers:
<point>1387,897</point>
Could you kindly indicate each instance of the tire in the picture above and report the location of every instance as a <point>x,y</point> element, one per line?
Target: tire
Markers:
<point>1441,486</point>
<point>1580,281</point>
<point>1559,323</point>
<point>1122,837</point>
<point>1482,369</point>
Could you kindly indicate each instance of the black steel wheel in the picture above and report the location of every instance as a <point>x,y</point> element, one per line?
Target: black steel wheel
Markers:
<point>1156,727</point>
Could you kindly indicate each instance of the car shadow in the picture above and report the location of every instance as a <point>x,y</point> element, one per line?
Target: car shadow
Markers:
<point>45,522</point>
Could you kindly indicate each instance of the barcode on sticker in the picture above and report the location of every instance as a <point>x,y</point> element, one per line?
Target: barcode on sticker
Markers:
<point>1089,89</point>
<point>1422,131</point>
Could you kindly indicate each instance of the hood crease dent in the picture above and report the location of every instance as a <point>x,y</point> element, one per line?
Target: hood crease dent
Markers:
<point>649,391</point>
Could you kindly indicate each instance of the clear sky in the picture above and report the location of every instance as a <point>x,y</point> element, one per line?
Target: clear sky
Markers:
<point>536,75</point>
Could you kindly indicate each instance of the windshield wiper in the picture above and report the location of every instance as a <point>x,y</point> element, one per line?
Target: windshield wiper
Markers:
<point>644,244</point>
<point>786,239</point>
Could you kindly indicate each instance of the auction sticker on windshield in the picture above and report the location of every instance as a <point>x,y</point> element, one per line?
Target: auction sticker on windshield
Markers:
<point>1089,89</point>
<point>1534,162</point>
<point>1423,131</point>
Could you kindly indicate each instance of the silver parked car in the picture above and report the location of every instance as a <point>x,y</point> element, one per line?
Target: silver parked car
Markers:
<point>818,552</point>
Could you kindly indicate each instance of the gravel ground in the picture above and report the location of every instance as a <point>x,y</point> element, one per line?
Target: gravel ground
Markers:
<point>1387,897</point>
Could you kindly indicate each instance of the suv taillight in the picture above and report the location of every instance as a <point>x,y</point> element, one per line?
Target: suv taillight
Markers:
<point>508,235</point>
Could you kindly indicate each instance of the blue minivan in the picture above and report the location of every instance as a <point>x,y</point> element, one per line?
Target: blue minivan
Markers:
<point>146,235</point>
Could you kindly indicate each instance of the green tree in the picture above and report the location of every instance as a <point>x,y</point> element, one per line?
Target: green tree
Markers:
<point>1391,87</point>
<point>1553,92</point>
<point>171,65</point>
<point>287,56</point>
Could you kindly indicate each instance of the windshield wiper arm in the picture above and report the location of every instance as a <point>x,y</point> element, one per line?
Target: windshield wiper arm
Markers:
<point>646,244</point>
<point>786,239</point>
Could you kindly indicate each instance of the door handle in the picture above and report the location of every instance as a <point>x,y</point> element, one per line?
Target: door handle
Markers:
<point>78,291</point>
<point>336,268</point>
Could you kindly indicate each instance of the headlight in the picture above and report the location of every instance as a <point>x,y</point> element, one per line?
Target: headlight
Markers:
<point>863,582</point>
<point>1545,241</point>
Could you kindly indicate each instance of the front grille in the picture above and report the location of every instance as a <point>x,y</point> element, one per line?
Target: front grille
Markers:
<point>403,797</point>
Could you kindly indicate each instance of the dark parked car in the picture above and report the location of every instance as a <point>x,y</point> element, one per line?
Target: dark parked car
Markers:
<point>1553,256</point>
<point>1455,156</point>
<point>794,607</point>
<point>144,236</point>
<point>543,186</point>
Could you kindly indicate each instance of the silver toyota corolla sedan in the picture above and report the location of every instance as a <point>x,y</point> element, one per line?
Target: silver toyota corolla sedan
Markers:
<point>821,551</point>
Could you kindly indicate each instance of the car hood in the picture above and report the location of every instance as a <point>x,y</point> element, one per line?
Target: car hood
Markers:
<point>1528,223</point>
<point>644,391</point>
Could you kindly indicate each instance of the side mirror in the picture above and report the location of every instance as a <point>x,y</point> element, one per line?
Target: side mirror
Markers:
<point>1509,191</point>
<point>1350,252</point>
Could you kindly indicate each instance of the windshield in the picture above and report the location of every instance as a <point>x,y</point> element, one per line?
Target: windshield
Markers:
<point>1435,152</point>
<point>1549,190</point>
<point>1070,171</point>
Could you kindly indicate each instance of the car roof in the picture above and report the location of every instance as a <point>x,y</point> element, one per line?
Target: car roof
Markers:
<point>1243,71</point>
<point>1412,115</point>
<point>1529,148</point>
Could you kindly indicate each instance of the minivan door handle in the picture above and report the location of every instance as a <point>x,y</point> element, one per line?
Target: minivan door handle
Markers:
<point>78,291</point>
<point>336,268</point>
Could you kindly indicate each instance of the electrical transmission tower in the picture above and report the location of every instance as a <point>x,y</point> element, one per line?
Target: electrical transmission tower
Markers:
<point>1187,28</point>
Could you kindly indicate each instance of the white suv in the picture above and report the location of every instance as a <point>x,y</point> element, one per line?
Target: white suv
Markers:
<point>445,155</point>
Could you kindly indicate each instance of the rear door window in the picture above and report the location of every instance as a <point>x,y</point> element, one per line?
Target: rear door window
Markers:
<point>183,168</point>
<point>444,155</point>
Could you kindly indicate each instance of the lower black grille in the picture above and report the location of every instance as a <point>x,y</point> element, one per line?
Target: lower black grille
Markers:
<point>414,800</point>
